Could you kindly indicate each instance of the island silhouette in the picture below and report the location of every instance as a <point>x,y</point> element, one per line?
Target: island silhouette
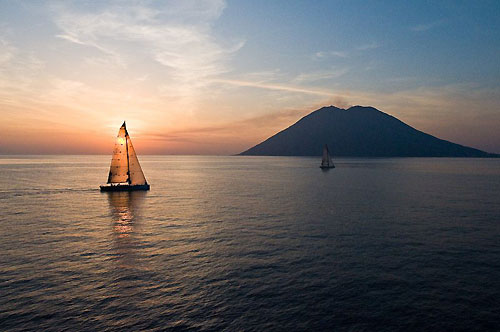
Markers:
<point>358,132</point>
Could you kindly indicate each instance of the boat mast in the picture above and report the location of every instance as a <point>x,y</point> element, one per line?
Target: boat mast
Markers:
<point>126,145</point>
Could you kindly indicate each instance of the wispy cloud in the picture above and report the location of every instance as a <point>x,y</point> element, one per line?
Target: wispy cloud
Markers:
<point>401,79</point>
<point>183,43</point>
<point>6,51</point>
<point>270,86</point>
<point>263,75</point>
<point>163,66</point>
<point>426,26</point>
<point>249,124</point>
<point>327,54</point>
<point>437,110</point>
<point>18,70</point>
<point>368,46</point>
<point>250,131</point>
<point>321,75</point>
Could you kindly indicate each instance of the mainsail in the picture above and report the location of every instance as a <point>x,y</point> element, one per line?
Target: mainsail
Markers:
<point>327,159</point>
<point>125,166</point>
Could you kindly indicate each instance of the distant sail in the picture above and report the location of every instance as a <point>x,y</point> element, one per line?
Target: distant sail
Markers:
<point>125,172</point>
<point>327,161</point>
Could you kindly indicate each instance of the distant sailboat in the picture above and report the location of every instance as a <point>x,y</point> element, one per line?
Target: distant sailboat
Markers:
<point>327,161</point>
<point>125,173</point>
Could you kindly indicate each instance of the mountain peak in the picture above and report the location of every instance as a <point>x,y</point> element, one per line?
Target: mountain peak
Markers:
<point>362,108</point>
<point>330,108</point>
<point>359,131</point>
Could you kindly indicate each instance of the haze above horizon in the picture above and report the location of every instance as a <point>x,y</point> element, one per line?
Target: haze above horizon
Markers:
<point>216,77</point>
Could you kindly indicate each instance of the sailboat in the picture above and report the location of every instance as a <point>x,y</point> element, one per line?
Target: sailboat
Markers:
<point>327,161</point>
<point>125,173</point>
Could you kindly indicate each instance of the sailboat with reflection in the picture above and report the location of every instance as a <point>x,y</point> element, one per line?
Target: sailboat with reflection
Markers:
<point>327,161</point>
<point>125,172</point>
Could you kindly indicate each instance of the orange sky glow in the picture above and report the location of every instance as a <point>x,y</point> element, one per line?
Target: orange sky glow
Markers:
<point>186,82</point>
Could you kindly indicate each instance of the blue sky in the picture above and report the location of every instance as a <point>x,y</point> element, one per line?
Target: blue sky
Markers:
<point>429,43</point>
<point>215,77</point>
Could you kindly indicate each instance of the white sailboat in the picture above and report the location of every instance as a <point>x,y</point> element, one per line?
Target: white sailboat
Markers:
<point>125,172</point>
<point>327,161</point>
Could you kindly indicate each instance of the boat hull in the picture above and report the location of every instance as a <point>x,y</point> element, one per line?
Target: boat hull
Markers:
<point>125,187</point>
<point>326,167</point>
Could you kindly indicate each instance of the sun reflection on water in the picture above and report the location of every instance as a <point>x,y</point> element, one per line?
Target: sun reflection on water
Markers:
<point>122,223</point>
<point>125,208</point>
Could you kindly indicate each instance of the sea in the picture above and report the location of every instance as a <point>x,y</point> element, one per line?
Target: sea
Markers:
<point>229,243</point>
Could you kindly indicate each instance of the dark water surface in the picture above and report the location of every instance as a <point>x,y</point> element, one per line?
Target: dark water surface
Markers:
<point>251,244</point>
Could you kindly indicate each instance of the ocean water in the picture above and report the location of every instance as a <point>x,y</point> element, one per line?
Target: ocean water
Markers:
<point>250,244</point>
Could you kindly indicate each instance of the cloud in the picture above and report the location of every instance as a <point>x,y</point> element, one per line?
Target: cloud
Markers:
<point>426,26</point>
<point>177,35</point>
<point>463,113</point>
<point>271,86</point>
<point>226,138</point>
<point>263,75</point>
<point>70,38</point>
<point>369,46</point>
<point>119,60</point>
<point>327,54</point>
<point>6,51</point>
<point>162,66</point>
<point>321,75</point>
<point>235,136</point>
<point>19,71</point>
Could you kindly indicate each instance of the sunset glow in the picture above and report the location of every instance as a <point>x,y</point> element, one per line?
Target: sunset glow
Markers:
<point>249,165</point>
<point>216,77</point>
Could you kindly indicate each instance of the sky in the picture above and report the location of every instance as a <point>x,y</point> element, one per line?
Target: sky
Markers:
<point>217,77</point>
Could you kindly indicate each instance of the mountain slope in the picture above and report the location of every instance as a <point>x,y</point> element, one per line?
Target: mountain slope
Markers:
<point>358,132</point>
